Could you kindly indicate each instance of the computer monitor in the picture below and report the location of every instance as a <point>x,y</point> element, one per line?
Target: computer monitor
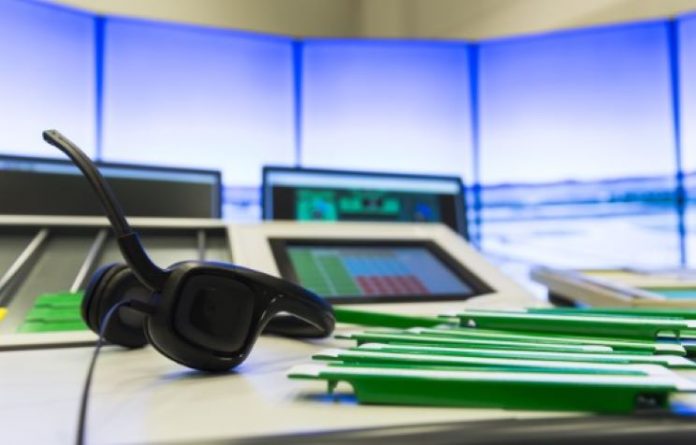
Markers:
<point>335,195</point>
<point>45,186</point>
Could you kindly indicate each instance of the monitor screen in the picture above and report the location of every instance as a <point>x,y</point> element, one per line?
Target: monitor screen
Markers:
<point>359,271</point>
<point>331,195</point>
<point>43,186</point>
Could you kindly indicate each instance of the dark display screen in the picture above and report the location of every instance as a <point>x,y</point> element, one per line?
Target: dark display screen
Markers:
<point>37,186</point>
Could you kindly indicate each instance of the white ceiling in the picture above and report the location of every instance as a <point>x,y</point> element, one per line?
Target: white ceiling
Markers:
<point>466,19</point>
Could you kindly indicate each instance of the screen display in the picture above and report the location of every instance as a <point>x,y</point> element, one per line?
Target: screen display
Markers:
<point>363,272</point>
<point>312,204</point>
<point>314,195</point>
<point>55,187</point>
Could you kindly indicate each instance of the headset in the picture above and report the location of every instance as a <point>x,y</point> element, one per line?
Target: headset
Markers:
<point>203,315</point>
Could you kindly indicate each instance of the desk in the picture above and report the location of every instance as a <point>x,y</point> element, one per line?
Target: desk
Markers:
<point>140,396</point>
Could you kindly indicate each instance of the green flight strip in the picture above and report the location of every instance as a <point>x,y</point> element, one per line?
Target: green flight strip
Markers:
<point>57,312</point>
<point>638,327</point>
<point>669,361</point>
<point>605,392</point>
<point>436,361</point>
<point>564,360</point>
<point>681,314</point>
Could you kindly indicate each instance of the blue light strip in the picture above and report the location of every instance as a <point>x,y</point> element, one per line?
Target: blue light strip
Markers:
<point>297,50</point>
<point>99,24</point>
<point>673,42</point>
<point>475,234</point>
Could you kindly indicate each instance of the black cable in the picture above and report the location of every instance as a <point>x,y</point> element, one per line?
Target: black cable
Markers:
<point>107,199</point>
<point>80,439</point>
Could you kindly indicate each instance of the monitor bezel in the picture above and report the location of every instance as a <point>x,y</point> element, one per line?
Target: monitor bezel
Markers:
<point>217,205</point>
<point>279,249</point>
<point>461,204</point>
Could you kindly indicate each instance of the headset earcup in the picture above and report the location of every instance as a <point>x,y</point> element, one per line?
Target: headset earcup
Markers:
<point>96,287</point>
<point>204,324</point>
<point>111,285</point>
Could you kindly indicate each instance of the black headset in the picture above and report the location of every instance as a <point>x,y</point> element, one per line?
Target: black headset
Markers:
<point>204,315</point>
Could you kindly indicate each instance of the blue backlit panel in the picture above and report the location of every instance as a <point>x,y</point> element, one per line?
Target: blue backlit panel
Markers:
<point>687,59</point>
<point>592,104</point>
<point>387,106</point>
<point>577,147</point>
<point>47,77</point>
<point>197,97</point>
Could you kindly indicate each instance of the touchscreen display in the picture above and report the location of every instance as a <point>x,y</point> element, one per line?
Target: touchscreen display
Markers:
<point>375,271</point>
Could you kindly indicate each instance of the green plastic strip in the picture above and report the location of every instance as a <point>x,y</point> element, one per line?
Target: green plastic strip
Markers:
<point>400,338</point>
<point>670,361</point>
<point>646,346</point>
<point>420,361</point>
<point>686,314</point>
<point>625,327</point>
<point>52,326</point>
<point>509,390</point>
<point>385,320</point>
<point>65,299</point>
<point>52,314</point>
<point>58,312</point>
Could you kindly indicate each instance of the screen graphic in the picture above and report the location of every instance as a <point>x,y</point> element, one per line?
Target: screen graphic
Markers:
<point>364,205</point>
<point>340,271</point>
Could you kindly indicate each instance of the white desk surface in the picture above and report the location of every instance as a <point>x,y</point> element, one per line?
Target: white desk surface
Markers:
<point>139,396</point>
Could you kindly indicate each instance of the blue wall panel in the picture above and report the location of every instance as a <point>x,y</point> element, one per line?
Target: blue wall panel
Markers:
<point>47,77</point>
<point>687,59</point>
<point>387,106</point>
<point>189,96</point>
<point>577,146</point>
